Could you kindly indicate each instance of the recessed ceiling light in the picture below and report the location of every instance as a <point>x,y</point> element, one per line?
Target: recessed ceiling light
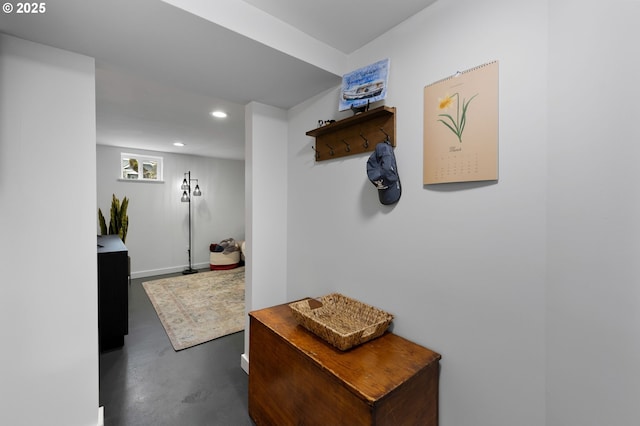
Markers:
<point>178,144</point>
<point>219,114</point>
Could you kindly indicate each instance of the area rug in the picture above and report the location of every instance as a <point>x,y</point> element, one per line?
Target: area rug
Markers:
<point>200,307</point>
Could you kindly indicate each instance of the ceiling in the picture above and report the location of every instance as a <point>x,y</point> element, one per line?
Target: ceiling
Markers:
<point>345,25</point>
<point>161,70</point>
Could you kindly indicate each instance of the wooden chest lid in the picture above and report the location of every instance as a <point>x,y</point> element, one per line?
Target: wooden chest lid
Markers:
<point>371,370</point>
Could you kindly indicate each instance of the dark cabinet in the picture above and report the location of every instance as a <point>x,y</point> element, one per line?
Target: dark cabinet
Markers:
<point>113,293</point>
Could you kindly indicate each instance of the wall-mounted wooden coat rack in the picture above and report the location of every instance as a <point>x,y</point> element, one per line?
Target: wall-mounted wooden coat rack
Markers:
<point>355,135</point>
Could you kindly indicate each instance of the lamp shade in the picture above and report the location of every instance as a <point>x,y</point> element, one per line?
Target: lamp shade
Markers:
<point>196,191</point>
<point>185,197</point>
<point>185,185</point>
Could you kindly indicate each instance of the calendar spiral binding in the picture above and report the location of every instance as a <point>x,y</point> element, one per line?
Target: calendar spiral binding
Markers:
<point>458,73</point>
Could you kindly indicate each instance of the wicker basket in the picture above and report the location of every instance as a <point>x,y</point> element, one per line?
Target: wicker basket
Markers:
<point>341,321</point>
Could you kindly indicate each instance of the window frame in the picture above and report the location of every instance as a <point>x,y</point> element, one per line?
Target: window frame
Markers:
<point>141,160</point>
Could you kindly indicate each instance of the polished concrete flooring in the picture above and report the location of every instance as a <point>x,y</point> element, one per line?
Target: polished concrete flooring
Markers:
<point>148,383</point>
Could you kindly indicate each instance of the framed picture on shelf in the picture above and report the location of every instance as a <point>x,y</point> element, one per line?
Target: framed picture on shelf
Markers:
<point>364,85</point>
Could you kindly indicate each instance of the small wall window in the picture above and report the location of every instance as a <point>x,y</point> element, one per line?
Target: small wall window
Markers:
<point>140,167</point>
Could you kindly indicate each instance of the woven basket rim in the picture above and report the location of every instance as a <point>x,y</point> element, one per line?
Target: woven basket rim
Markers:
<point>325,330</point>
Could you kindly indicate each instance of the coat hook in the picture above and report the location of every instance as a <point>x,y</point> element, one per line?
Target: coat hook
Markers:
<point>366,142</point>
<point>386,134</point>
<point>331,148</point>
<point>317,153</point>
<point>348,146</point>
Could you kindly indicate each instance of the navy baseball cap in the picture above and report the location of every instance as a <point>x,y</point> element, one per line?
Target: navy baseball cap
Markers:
<point>382,171</point>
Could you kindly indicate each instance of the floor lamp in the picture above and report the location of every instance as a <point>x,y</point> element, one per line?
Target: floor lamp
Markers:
<point>186,198</point>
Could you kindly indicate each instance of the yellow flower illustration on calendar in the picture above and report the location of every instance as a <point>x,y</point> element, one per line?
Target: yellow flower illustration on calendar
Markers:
<point>457,124</point>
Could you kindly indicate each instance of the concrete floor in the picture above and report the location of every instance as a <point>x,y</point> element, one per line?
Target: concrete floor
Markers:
<point>148,383</point>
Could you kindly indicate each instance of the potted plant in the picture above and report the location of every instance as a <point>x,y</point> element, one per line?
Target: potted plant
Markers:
<point>119,221</point>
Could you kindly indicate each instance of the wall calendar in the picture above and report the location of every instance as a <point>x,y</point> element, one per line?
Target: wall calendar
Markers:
<point>461,127</point>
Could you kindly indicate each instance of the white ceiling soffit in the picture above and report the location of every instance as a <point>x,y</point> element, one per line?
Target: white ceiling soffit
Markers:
<point>262,27</point>
<point>160,71</point>
<point>155,40</point>
<point>345,25</point>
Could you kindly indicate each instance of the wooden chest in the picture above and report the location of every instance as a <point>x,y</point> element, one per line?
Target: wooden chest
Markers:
<point>295,378</point>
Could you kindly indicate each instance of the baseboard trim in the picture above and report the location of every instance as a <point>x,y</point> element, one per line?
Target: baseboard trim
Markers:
<point>164,271</point>
<point>244,362</point>
<point>101,416</point>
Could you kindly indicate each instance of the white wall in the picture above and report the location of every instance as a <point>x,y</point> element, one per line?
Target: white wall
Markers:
<point>48,289</point>
<point>158,234</point>
<point>593,291</point>
<point>266,217</point>
<point>462,266</point>
<point>528,287</point>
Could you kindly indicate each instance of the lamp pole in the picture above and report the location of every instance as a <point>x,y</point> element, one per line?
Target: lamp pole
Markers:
<point>186,198</point>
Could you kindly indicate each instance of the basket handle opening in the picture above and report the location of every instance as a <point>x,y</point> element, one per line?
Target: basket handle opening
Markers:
<point>369,330</point>
<point>314,304</point>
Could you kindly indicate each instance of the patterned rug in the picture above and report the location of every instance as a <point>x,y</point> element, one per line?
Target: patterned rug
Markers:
<point>200,307</point>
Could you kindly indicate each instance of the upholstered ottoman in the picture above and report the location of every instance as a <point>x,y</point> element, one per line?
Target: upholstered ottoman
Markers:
<point>229,258</point>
